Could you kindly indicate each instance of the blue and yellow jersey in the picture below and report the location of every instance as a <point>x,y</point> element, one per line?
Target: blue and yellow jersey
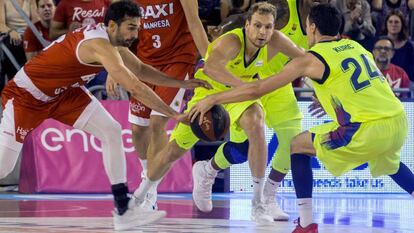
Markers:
<point>293,29</point>
<point>352,88</point>
<point>237,66</point>
<point>281,105</point>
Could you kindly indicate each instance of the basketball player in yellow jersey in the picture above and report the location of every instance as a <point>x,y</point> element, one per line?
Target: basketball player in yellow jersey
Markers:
<point>369,122</point>
<point>231,60</point>
<point>282,113</point>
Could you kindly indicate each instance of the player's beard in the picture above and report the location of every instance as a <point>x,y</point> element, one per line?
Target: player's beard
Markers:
<point>120,41</point>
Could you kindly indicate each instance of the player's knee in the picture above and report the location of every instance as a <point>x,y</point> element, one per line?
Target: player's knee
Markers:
<point>252,121</point>
<point>112,132</point>
<point>158,125</point>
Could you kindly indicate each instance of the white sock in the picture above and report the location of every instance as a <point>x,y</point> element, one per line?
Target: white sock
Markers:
<point>143,164</point>
<point>270,189</point>
<point>210,169</point>
<point>258,185</point>
<point>144,176</point>
<point>143,189</point>
<point>305,211</point>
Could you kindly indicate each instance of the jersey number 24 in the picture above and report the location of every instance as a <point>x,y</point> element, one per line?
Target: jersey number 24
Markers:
<point>367,66</point>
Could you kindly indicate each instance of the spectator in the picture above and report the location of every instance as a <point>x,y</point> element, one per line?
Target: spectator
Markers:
<point>72,14</point>
<point>32,46</point>
<point>396,28</point>
<point>234,12</point>
<point>13,25</point>
<point>381,8</point>
<point>396,76</point>
<point>357,21</point>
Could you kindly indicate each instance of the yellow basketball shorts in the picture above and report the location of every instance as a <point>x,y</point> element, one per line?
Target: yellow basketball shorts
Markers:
<point>341,149</point>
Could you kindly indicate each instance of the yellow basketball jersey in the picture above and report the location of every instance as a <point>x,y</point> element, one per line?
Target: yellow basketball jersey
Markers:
<point>281,105</point>
<point>237,66</point>
<point>295,32</point>
<point>352,89</point>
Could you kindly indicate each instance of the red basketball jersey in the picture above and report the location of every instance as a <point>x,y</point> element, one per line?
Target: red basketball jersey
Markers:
<point>164,36</point>
<point>58,66</point>
<point>84,12</point>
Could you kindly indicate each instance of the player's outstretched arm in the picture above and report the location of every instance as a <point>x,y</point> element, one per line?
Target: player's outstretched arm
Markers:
<point>307,65</point>
<point>224,50</point>
<point>151,75</point>
<point>195,26</point>
<point>101,51</point>
<point>280,43</point>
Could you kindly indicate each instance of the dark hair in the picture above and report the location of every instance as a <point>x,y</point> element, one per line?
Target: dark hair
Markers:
<point>327,19</point>
<point>237,3</point>
<point>403,34</point>
<point>118,11</point>
<point>37,2</point>
<point>385,38</point>
<point>262,8</point>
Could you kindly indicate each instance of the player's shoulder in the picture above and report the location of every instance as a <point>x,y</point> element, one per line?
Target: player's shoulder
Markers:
<point>95,31</point>
<point>228,39</point>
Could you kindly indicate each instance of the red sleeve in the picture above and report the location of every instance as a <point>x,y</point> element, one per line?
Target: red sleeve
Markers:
<point>107,3</point>
<point>405,82</point>
<point>60,12</point>
<point>30,42</point>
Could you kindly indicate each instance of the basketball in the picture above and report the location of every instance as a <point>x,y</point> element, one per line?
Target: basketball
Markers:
<point>215,124</point>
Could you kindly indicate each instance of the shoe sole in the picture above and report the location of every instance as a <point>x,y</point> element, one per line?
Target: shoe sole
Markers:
<point>139,222</point>
<point>195,202</point>
<point>262,221</point>
<point>284,219</point>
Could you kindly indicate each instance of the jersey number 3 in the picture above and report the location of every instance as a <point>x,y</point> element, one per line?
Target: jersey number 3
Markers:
<point>371,70</point>
<point>156,41</point>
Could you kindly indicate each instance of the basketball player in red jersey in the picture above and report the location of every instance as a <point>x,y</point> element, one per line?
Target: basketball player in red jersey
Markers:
<point>73,14</point>
<point>170,34</point>
<point>50,85</point>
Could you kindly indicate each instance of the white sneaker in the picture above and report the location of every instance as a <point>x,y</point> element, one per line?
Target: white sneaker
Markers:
<point>273,209</point>
<point>259,214</point>
<point>150,201</point>
<point>135,216</point>
<point>203,185</point>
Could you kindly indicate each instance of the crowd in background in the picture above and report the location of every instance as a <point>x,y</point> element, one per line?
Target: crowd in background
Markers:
<point>384,27</point>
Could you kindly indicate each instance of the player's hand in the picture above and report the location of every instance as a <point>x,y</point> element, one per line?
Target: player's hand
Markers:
<point>112,87</point>
<point>316,109</point>
<point>193,83</point>
<point>214,31</point>
<point>200,109</point>
<point>183,118</point>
